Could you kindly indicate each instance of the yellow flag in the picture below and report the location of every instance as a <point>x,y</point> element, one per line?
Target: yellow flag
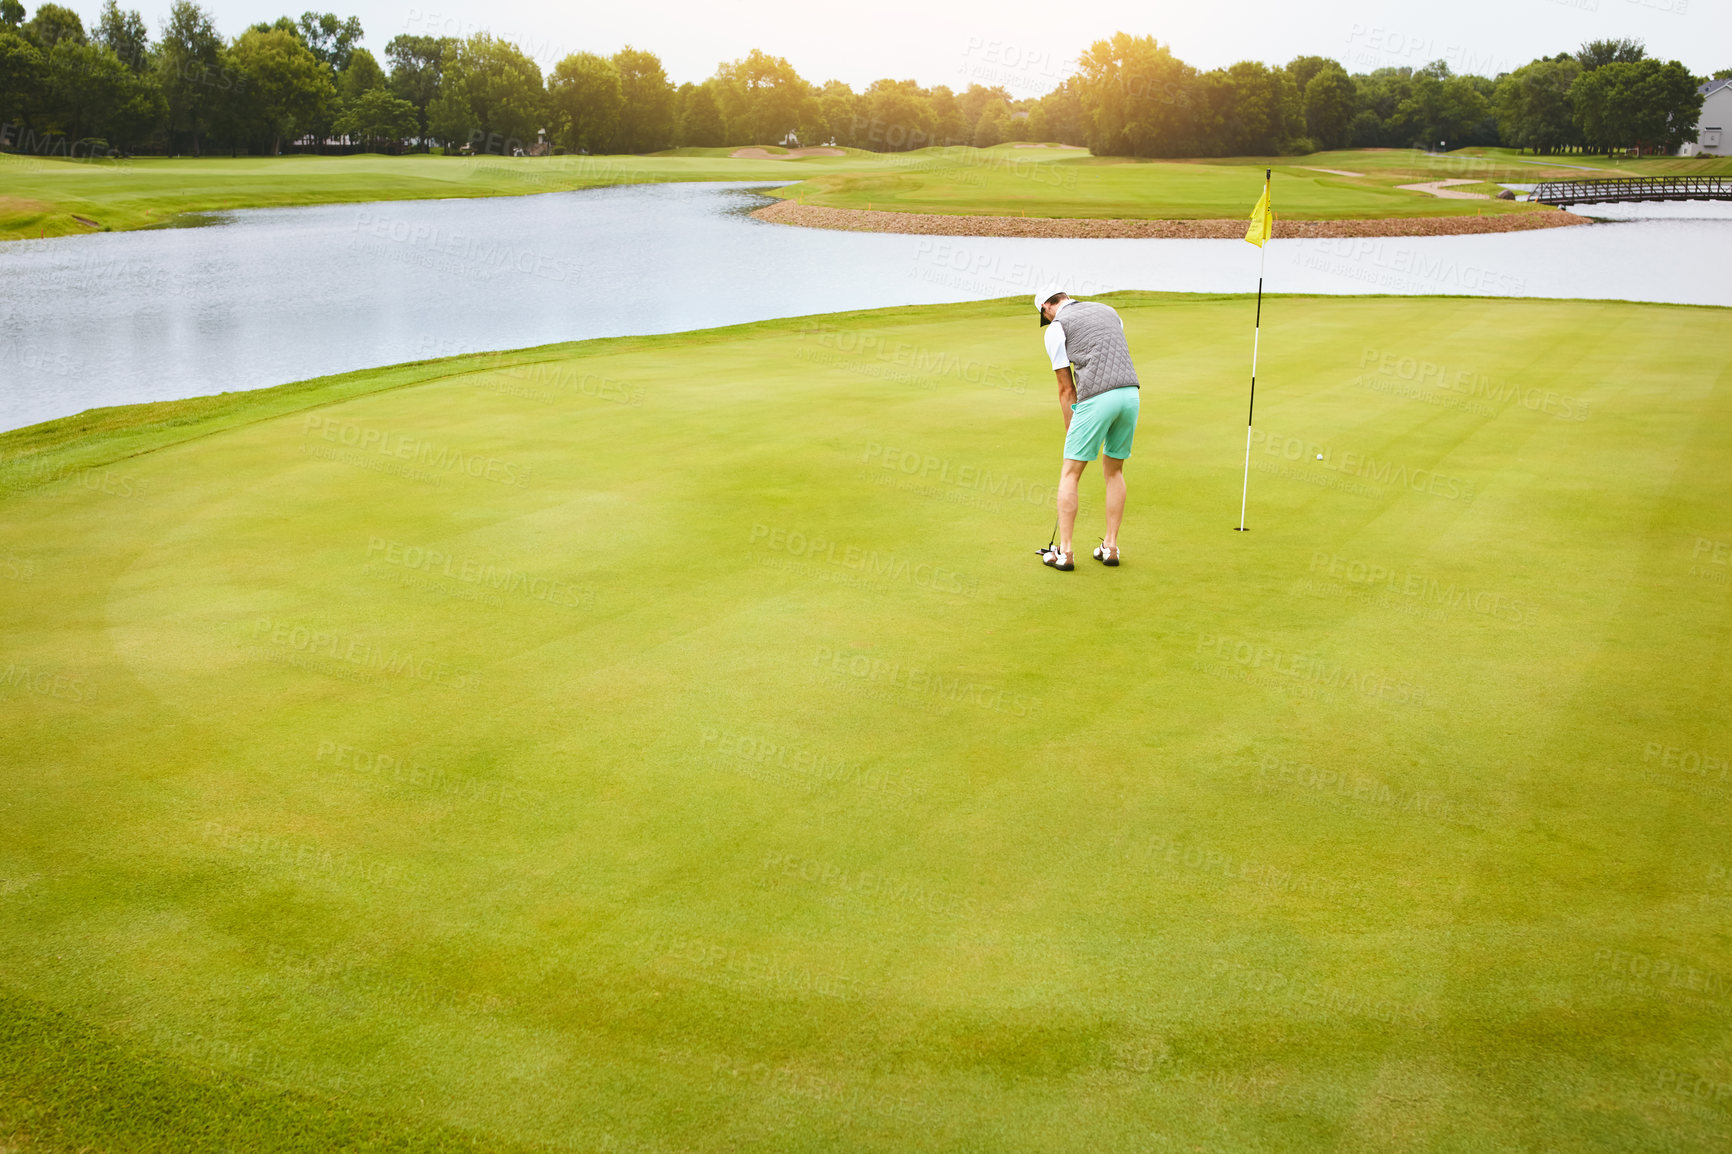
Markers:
<point>1262,220</point>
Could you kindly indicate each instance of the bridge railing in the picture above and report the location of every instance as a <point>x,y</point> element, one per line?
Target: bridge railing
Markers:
<point>1636,188</point>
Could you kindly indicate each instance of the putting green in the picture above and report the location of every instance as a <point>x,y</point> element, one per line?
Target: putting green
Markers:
<point>674,744</point>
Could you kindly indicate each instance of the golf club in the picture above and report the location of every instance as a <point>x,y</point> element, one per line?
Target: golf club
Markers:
<point>1047,548</point>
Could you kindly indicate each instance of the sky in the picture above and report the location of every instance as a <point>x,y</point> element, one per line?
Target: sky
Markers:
<point>1025,46</point>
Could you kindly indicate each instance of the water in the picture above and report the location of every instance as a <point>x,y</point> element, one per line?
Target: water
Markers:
<point>274,295</point>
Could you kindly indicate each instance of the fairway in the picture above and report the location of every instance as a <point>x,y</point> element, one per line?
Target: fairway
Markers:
<point>56,197</point>
<point>63,197</point>
<point>46,197</point>
<point>674,744</point>
<point>1362,184</point>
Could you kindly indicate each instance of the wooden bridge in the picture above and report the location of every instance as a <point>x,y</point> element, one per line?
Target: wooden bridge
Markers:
<point>1568,192</point>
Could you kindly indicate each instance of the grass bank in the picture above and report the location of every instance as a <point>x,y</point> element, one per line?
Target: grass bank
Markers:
<point>674,744</point>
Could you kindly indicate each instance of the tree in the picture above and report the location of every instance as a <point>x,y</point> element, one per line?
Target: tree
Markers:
<point>1597,112</point>
<point>280,24</point>
<point>11,13</point>
<point>21,74</point>
<point>1304,69</point>
<point>1266,112</point>
<point>1439,108</point>
<point>1598,53</point>
<point>492,97</point>
<point>52,24</point>
<point>189,71</point>
<point>376,117</point>
<point>1381,93</point>
<point>1331,100</point>
<point>646,119</point>
<point>1533,106</point>
<point>1036,127</point>
<point>1062,111</point>
<point>1366,131</point>
<point>1641,103</point>
<point>838,113</point>
<point>584,95</point>
<point>362,75</point>
<point>1137,98</point>
<point>973,104</point>
<point>701,119</point>
<point>331,40</point>
<point>1480,131</point>
<point>895,116</point>
<point>763,100</point>
<point>286,89</point>
<point>92,92</point>
<point>1723,74</point>
<point>124,34</point>
<point>952,124</point>
<point>994,127</point>
<point>417,69</point>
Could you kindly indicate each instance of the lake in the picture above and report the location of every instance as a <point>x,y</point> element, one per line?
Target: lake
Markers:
<point>266,296</point>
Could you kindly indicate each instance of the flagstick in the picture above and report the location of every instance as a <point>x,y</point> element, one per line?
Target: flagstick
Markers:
<point>1256,337</point>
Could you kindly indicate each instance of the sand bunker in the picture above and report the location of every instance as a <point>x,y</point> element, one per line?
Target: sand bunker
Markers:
<point>791,154</point>
<point>1441,188</point>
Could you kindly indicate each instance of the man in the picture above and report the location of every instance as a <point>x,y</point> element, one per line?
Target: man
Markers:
<point>1098,393</point>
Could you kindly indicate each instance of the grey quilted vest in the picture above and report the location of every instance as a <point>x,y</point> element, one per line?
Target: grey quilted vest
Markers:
<point>1095,342</point>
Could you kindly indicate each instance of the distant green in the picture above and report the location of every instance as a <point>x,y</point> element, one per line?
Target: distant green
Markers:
<point>48,197</point>
<point>674,744</point>
<point>1003,182</point>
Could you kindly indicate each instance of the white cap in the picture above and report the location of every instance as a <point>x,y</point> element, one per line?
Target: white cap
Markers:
<point>1040,299</point>
<point>1046,294</point>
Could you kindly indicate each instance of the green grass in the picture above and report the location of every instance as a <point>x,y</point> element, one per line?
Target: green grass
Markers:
<point>1607,166</point>
<point>43,197</point>
<point>1508,164</point>
<point>71,1087</point>
<point>1001,183</point>
<point>637,822</point>
<point>46,197</point>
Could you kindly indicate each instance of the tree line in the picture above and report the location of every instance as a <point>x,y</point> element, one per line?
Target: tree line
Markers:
<point>115,89</point>
<point>1132,97</point>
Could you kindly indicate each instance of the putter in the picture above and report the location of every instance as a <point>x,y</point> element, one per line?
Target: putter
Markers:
<point>1048,548</point>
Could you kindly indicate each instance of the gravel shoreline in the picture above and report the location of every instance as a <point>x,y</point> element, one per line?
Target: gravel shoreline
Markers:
<point>928,224</point>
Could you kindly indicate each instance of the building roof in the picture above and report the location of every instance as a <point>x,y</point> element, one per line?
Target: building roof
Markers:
<point>1714,86</point>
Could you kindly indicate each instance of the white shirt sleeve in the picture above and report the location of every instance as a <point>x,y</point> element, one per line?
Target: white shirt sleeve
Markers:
<point>1055,348</point>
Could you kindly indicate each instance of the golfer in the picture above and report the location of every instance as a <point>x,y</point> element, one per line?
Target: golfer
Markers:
<point>1097,394</point>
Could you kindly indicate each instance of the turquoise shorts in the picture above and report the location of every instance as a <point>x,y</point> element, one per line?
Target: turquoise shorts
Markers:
<point>1109,417</point>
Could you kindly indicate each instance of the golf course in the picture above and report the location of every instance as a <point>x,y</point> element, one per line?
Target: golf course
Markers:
<point>56,197</point>
<point>673,743</point>
<point>1350,185</point>
<point>62,197</point>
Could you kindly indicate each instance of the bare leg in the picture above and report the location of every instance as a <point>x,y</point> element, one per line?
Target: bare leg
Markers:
<point>1115,477</point>
<point>1068,480</point>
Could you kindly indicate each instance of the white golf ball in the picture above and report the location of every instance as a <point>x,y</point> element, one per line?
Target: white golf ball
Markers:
<point>1319,456</point>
